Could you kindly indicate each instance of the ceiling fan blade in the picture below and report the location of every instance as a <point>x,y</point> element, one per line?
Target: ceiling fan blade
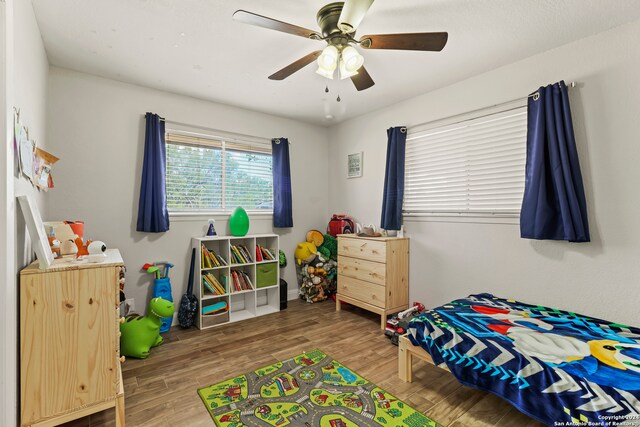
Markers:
<point>362,80</point>
<point>352,13</point>
<point>295,66</point>
<point>406,41</point>
<point>273,24</point>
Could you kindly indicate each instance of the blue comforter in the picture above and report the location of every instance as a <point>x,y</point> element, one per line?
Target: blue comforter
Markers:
<point>559,367</point>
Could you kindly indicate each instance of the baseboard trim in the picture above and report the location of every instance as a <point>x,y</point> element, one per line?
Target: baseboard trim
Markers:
<point>292,294</point>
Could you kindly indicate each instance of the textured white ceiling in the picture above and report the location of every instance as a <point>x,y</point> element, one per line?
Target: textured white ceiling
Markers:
<point>193,47</point>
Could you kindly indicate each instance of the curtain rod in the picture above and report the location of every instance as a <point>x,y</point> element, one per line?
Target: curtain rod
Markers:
<point>570,85</point>
<point>229,135</point>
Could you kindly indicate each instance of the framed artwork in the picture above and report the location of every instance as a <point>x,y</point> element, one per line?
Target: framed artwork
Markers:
<point>354,165</point>
<point>35,227</point>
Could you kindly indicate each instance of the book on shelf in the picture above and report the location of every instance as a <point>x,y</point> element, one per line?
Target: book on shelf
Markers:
<point>210,259</point>
<point>234,280</point>
<point>237,255</point>
<point>245,253</point>
<point>258,254</point>
<point>241,281</point>
<point>266,254</point>
<point>213,284</point>
<point>207,286</point>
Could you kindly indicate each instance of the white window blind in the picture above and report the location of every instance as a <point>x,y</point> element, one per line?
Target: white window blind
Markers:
<point>473,167</point>
<point>210,174</point>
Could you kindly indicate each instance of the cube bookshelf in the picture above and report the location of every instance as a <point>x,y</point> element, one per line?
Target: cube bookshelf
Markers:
<point>239,273</point>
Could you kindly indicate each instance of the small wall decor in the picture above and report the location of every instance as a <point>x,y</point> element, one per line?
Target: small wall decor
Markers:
<point>354,165</point>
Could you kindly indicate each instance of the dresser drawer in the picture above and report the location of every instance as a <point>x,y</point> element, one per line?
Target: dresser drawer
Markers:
<point>362,248</point>
<point>362,269</point>
<point>364,291</point>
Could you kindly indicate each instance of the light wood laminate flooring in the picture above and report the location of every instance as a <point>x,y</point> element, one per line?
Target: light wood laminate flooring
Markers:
<point>161,390</point>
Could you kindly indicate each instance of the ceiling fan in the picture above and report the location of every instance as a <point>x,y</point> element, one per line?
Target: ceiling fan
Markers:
<point>338,23</point>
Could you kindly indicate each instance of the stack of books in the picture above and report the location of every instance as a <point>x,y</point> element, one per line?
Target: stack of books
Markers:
<point>240,254</point>
<point>212,284</point>
<point>240,281</point>
<point>210,259</point>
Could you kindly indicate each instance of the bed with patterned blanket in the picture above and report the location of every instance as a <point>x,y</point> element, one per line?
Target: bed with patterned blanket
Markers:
<point>558,367</point>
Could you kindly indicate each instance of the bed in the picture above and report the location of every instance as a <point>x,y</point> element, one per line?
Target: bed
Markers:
<point>558,367</point>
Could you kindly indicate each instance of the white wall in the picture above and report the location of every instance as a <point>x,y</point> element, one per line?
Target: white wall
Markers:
<point>23,84</point>
<point>452,259</point>
<point>8,316</point>
<point>31,69</point>
<point>96,127</point>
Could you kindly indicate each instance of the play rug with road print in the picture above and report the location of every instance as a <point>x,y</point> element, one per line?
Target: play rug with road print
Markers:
<point>311,389</point>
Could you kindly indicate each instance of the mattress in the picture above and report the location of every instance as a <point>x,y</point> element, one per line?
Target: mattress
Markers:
<point>559,367</point>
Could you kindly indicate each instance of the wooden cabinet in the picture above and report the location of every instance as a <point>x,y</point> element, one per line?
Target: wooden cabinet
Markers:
<point>248,283</point>
<point>373,273</point>
<point>70,341</point>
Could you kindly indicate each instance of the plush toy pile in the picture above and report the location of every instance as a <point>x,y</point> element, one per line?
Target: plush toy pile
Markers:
<point>316,261</point>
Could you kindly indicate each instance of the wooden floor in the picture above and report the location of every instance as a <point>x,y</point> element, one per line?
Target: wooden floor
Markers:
<point>161,391</point>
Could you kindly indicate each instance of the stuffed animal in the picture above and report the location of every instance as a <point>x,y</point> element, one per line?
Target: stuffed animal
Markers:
<point>305,252</point>
<point>83,248</point>
<point>139,334</point>
<point>315,237</point>
<point>329,247</point>
<point>55,247</point>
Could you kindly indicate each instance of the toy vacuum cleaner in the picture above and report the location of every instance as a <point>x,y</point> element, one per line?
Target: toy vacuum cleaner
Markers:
<point>161,287</point>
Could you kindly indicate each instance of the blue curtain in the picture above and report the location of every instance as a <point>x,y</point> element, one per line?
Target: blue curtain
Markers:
<point>554,205</point>
<point>153,216</point>
<point>394,179</point>
<point>282,206</point>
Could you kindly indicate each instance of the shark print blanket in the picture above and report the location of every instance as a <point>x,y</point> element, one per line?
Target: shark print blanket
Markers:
<point>559,367</point>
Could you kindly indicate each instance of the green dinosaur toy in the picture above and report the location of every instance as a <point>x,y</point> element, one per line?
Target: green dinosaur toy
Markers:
<point>140,333</point>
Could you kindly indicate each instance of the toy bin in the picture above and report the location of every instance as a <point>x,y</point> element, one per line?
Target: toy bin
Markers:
<point>162,289</point>
<point>266,275</point>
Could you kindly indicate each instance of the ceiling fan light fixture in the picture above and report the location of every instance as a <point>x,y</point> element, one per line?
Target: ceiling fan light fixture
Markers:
<point>344,73</point>
<point>325,73</point>
<point>328,59</point>
<point>351,59</point>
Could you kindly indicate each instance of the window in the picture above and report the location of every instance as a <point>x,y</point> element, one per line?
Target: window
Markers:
<point>473,167</point>
<point>215,174</point>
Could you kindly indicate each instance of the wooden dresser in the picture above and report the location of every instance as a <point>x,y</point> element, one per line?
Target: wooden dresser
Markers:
<point>69,341</point>
<point>373,273</point>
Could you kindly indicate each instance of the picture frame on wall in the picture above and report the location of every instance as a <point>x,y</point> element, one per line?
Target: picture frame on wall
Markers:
<point>35,226</point>
<point>354,165</point>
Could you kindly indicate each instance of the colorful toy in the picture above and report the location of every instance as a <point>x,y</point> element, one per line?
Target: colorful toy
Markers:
<point>83,248</point>
<point>55,246</point>
<point>329,247</point>
<point>152,269</point>
<point>315,237</point>
<point>239,222</point>
<point>282,259</point>
<point>217,308</point>
<point>417,307</point>
<point>141,333</point>
<point>167,266</point>
<point>305,252</point>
